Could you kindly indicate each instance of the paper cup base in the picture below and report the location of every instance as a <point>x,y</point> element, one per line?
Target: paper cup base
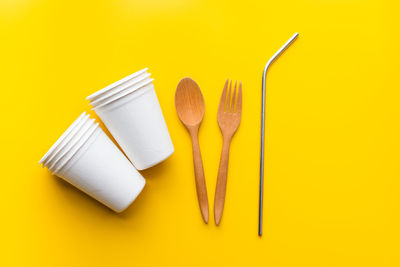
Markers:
<point>159,160</point>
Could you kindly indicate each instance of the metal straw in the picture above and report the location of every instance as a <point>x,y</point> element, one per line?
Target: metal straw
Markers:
<point>270,61</point>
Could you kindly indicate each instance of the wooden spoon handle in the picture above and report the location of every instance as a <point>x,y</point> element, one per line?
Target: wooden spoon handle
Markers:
<point>221,182</point>
<point>199,176</point>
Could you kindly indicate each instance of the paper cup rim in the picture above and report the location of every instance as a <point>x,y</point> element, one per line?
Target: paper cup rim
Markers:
<point>75,140</point>
<point>82,149</point>
<point>67,139</point>
<point>87,141</point>
<point>65,133</point>
<point>119,82</point>
<point>112,93</point>
<point>125,94</point>
<point>75,148</point>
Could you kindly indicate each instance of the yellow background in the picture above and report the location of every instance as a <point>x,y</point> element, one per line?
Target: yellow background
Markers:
<point>332,187</point>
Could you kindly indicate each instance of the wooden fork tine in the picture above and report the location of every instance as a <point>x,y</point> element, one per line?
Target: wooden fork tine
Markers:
<point>233,99</point>
<point>239,100</point>
<point>228,99</point>
<point>222,101</point>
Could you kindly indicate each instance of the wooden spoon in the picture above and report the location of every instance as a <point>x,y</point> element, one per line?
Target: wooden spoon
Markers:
<point>189,105</point>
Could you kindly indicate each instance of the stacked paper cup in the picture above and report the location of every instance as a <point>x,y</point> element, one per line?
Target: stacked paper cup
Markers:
<point>85,157</point>
<point>130,110</point>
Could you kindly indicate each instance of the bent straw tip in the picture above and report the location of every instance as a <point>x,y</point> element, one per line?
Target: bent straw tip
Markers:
<point>294,36</point>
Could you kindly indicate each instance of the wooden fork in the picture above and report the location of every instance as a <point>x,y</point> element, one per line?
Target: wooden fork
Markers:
<point>229,115</point>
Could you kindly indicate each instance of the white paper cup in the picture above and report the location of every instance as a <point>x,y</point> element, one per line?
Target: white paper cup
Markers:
<point>101,170</point>
<point>136,122</point>
<point>56,146</point>
<point>91,162</point>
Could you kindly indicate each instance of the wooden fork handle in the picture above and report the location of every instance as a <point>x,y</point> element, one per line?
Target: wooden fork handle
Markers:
<point>221,181</point>
<point>199,176</point>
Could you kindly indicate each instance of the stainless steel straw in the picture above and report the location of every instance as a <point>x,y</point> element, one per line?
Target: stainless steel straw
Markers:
<point>270,61</point>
